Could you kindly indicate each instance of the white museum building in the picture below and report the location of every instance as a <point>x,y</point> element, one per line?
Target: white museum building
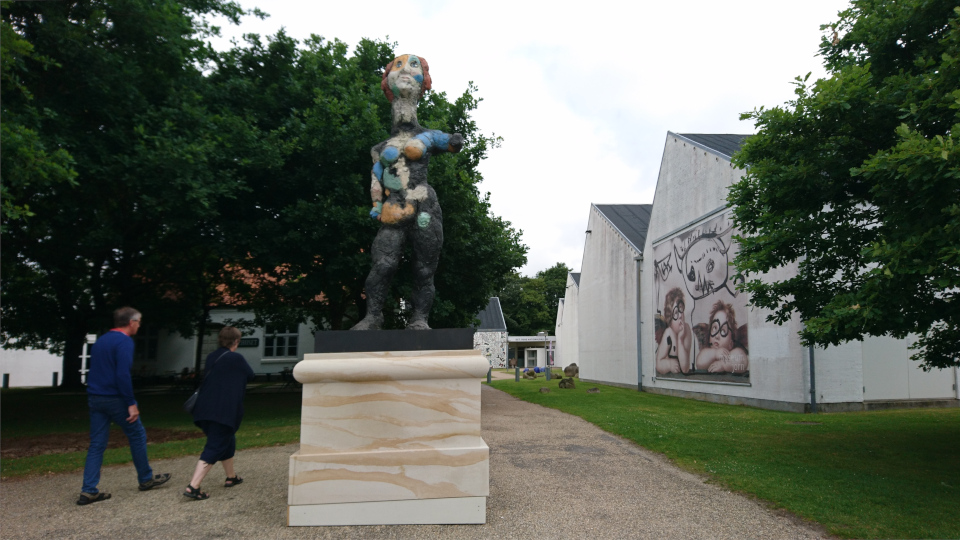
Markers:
<point>656,307</point>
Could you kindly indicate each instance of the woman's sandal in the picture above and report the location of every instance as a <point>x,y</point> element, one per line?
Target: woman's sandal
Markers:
<point>195,493</point>
<point>230,482</point>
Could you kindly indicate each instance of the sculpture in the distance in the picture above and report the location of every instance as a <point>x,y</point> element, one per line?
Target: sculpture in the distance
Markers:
<point>403,201</point>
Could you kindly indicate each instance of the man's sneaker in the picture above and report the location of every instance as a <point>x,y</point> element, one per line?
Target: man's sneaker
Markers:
<point>89,498</point>
<point>157,480</point>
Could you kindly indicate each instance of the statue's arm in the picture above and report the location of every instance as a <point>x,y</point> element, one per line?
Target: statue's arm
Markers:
<point>437,142</point>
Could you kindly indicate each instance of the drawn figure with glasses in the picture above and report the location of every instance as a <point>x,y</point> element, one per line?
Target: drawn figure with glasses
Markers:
<point>673,351</point>
<point>724,354</point>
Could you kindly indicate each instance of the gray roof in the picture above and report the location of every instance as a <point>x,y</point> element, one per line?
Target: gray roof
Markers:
<point>724,145</point>
<point>630,220</point>
<point>491,317</point>
<point>576,277</point>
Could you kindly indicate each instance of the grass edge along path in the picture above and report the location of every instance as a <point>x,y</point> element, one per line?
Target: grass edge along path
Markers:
<point>73,461</point>
<point>270,419</point>
<point>877,474</point>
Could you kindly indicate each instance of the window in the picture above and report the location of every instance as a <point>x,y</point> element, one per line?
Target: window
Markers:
<point>145,344</point>
<point>280,341</point>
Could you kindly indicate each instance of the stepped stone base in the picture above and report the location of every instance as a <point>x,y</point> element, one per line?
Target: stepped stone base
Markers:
<point>390,438</point>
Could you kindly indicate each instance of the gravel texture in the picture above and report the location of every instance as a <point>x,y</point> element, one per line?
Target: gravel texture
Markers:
<point>552,475</point>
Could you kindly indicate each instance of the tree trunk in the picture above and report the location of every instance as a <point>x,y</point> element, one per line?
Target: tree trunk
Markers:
<point>201,333</point>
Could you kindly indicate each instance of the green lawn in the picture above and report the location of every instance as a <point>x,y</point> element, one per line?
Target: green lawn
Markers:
<point>271,418</point>
<point>880,474</point>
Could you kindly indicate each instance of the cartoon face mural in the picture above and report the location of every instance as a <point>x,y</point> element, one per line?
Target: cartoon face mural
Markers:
<point>704,267</point>
<point>704,262</point>
<point>699,330</point>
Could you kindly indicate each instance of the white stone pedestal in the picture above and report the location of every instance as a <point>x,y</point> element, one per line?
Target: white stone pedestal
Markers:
<point>390,438</point>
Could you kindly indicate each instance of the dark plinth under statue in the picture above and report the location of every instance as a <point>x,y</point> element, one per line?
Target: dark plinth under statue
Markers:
<point>446,339</point>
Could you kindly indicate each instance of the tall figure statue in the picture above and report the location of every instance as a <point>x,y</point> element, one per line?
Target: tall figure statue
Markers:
<point>402,200</point>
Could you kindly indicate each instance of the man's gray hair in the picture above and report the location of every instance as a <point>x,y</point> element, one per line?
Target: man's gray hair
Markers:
<point>123,316</point>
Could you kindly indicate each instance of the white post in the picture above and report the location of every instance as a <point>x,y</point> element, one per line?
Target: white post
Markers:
<point>91,339</point>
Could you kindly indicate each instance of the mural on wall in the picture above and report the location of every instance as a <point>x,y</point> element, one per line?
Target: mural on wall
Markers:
<point>700,318</point>
<point>493,345</point>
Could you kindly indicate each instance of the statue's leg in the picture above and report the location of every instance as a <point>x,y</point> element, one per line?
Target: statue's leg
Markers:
<point>385,255</point>
<point>427,238</point>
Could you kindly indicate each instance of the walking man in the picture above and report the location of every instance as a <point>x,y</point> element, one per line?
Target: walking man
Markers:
<point>110,395</point>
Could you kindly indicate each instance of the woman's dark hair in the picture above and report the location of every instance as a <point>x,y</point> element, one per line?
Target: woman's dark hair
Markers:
<point>228,336</point>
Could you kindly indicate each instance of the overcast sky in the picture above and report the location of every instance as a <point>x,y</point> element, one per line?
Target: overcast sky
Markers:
<point>583,94</point>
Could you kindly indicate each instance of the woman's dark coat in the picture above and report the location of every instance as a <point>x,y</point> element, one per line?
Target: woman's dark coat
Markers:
<point>224,385</point>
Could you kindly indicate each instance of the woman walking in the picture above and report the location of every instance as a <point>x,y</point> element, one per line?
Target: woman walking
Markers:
<point>219,410</point>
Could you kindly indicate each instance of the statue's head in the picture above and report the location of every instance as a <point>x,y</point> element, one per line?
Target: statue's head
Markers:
<point>407,76</point>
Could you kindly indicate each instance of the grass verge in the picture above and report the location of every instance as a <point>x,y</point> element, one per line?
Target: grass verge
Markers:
<point>878,474</point>
<point>271,418</point>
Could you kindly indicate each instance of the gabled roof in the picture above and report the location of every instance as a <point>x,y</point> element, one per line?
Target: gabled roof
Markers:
<point>630,220</point>
<point>491,317</point>
<point>576,278</point>
<point>724,145</point>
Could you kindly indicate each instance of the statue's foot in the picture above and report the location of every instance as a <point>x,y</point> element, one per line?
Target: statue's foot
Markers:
<point>418,324</point>
<point>370,322</point>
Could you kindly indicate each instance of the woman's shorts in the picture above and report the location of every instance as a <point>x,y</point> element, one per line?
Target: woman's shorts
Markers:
<point>221,441</point>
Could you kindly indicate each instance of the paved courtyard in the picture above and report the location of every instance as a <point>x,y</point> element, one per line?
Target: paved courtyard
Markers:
<point>552,475</point>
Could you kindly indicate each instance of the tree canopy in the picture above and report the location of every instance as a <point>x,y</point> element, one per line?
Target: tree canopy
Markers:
<point>529,304</point>
<point>856,182</point>
<point>141,167</point>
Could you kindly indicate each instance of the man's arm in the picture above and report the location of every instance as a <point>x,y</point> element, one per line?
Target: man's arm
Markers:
<point>124,363</point>
<point>134,414</point>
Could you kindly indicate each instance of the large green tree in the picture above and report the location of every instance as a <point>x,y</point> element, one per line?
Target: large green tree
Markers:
<point>530,303</point>
<point>856,182</point>
<point>126,161</point>
<point>26,161</point>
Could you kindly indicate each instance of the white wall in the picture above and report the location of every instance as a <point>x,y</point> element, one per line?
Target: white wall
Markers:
<point>692,182</point>
<point>607,332</point>
<point>839,372</point>
<point>889,373</point>
<point>31,367</point>
<point>175,352</point>
<point>568,337</point>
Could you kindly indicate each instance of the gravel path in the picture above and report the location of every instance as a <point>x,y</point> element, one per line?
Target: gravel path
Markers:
<point>552,475</point>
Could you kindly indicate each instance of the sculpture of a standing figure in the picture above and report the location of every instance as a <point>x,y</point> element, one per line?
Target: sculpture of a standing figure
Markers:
<point>402,200</point>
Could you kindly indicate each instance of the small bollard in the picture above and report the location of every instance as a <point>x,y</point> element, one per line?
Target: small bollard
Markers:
<point>6,380</point>
<point>56,376</point>
<point>548,373</point>
<point>489,373</point>
<point>516,376</point>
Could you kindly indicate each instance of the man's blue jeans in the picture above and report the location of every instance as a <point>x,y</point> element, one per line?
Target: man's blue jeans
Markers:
<point>103,410</point>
